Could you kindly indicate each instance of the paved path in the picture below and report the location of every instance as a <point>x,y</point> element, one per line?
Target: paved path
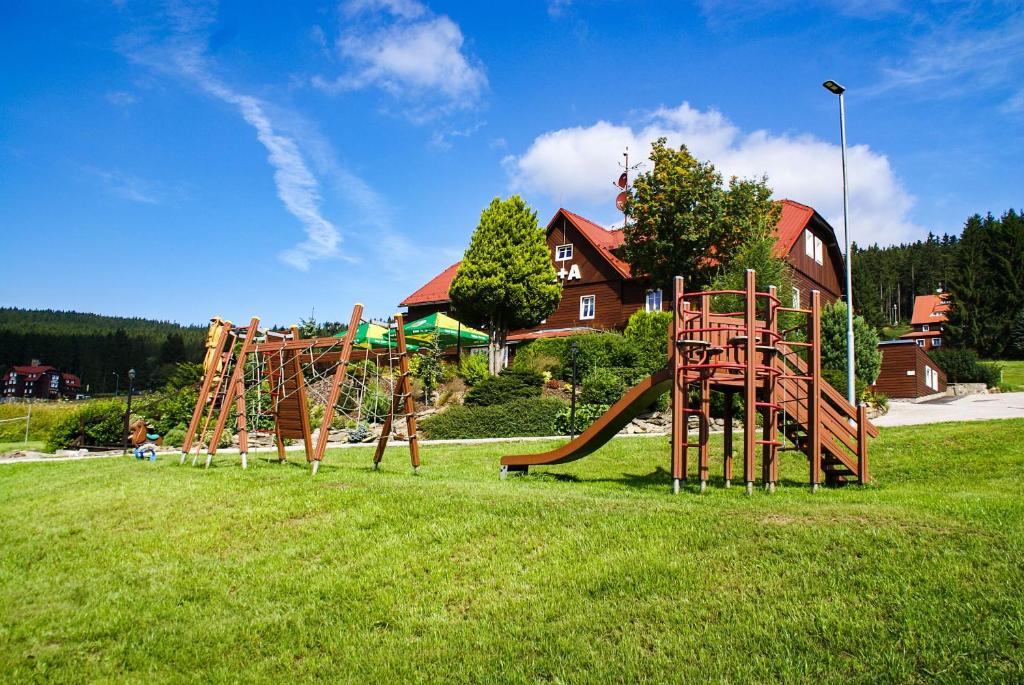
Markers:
<point>1007,405</point>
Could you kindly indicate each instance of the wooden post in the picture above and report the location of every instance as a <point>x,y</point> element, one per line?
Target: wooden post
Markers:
<point>237,374</point>
<point>339,378</point>
<point>727,440</point>
<point>750,383</point>
<point>862,444</point>
<point>241,422</point>
<point>678,388</point>
<point>814,392</point>
<point>300,392</point>
<point>401,398</point>
<point>212,363</point>
<point>704,427</point>
<point>770,453</point>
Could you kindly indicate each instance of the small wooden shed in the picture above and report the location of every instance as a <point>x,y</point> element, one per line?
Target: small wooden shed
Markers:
<point>908,372</point>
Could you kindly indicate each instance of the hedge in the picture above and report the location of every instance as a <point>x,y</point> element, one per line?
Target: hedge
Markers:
<point>511,384</point>
<point>962,366</point>
<point>519,418</point>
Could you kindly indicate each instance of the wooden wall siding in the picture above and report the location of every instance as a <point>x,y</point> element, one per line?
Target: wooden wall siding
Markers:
<point>893,379</point>
<point>825,277</point>
<point>805,285</point>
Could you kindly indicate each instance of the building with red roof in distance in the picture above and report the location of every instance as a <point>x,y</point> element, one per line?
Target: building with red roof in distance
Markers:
<point>40,382</point>
<point>930,312</point>
<point>600,292</point>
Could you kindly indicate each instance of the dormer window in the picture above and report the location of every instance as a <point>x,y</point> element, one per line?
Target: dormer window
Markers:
<point>813,247</point>
<point>563,253</point>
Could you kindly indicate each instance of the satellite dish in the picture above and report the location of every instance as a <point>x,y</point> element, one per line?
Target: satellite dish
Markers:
<point>620,201</point>
<point>622,180</point>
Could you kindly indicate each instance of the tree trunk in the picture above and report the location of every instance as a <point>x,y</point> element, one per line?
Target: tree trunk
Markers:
<point>496,347</point>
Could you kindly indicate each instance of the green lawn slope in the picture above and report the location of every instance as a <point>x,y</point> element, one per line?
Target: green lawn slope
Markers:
<point>590,572</point>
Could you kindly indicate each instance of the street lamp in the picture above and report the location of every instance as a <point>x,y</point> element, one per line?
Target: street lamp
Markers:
<point>128,410</point>
<point>117,383</point>
<point>837,89</point>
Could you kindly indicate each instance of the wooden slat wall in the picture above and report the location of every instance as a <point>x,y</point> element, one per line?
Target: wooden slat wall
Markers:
<point>896,361</point>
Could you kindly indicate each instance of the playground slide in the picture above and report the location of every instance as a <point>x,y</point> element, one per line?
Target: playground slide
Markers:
<point>639,398</point>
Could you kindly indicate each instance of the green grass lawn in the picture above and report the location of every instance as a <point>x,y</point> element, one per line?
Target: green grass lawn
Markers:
<point>114,569</point>
<point>1013,373</point>
<point>34,445</point>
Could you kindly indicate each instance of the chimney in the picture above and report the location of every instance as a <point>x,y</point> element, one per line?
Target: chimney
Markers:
<point>36,362</point>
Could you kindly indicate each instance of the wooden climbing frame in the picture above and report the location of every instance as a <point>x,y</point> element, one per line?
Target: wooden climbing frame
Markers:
<point>279,361</point>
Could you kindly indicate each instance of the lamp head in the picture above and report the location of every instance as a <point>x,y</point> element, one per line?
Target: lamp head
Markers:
<point>834,87</point>
<point>131,374</point>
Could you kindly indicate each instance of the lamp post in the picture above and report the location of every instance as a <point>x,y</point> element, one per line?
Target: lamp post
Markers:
<point>128,411</point>
<point>117,383</point>
<point>837,89</point>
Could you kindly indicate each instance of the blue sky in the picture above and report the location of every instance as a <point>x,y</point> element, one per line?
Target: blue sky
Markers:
<point>184,159</point>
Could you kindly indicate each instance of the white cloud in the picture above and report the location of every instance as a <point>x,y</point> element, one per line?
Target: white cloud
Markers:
<point>129,187</point>
<point>578,165</point>
<point>297,187</point>
<point>401,47</point>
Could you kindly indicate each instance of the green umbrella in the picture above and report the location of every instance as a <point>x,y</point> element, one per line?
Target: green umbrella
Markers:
<point>449,332</point>
<point>370,335</point>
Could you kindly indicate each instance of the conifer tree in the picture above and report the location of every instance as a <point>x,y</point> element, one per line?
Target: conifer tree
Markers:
<point>505,280</point>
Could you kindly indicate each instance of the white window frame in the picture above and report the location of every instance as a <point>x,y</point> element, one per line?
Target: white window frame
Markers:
<point>54,382</point>
<point>653,293</point>
<point>808,243</point>
<point>563,253</point>
<point>920,342</point>
<point>592,299</point>
<point>819,250</point>
<point>796,298</point>
<point>937,341</point>
<point>924,327</point>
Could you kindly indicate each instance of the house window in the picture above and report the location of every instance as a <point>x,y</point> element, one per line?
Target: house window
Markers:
<point>796,298</point>
<point>587,306</point>
<point>813,247</point>
<point>924,327</point>
<point>54,382</point>
<point>654,300</point>
<point>563,253</point>
<point>936,342</point>
<point>920,342</point>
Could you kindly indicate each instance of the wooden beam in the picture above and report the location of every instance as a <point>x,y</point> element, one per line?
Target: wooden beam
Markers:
<point>336,381</point>
<point>814,392</point>
<point>237,374</point>
<point>750,382</point>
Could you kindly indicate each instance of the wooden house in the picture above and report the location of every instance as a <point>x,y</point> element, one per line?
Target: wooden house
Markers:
<point>36,381</point>
<point>907,371</point>
<point>930,313</point>
<point>600,291</point>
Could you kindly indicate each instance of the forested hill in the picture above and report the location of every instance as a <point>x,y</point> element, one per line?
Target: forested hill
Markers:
<point>95,347</point>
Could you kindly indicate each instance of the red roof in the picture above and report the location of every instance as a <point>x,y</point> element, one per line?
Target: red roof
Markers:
<point>436,289</point>
<point>930,309</point>
<point>792,221</point>
<point>791,225</point>
<point>921,334</point>
<point>32,370</point>
<point>556,333</point>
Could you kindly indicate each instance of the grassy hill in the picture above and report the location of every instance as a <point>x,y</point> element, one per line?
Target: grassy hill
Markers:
<point>588,572</point>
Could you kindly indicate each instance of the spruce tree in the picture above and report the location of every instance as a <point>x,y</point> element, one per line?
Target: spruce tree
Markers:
<point>506,280</point>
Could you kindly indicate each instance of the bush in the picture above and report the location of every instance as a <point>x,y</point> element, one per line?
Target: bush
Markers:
<point>837,379</point>
<point>175,437</point>
<point>473,368</point>
<point>548,348</point>
<point>586,414</point>
<point>602,386</point>
<point>519,418</point>
<point>647,332</point>
<point>962,366</point>
<point>596,351</point>
<point>376,402</point>
<point>511,384</point>
<point>95,424</point>
<point>866,357</point>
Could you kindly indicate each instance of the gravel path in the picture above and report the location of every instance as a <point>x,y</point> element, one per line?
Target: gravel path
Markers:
<point>1007,405</point>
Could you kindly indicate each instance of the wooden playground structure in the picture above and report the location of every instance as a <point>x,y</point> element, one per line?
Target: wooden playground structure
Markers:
<point>269,379</point>
<point>777,373</point>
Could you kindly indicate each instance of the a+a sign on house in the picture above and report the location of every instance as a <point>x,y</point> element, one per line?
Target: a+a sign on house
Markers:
<point>600,292</point>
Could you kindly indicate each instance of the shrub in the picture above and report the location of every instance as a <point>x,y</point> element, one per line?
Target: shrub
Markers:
<point>534,416</point>
<point>451,392</point>
<point>376,402</point>
<point>962,366</point>
<point>175,437</point>
<point>597,350</point>
<point>647,332</point>
<point>867,359</point>
<point>511,384</point>
<point>602,386</point>
<point>552,348</point>
<point>837,379</point>
<point>95,424</point>
<point>586,414</point>
<point>473,368</point>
